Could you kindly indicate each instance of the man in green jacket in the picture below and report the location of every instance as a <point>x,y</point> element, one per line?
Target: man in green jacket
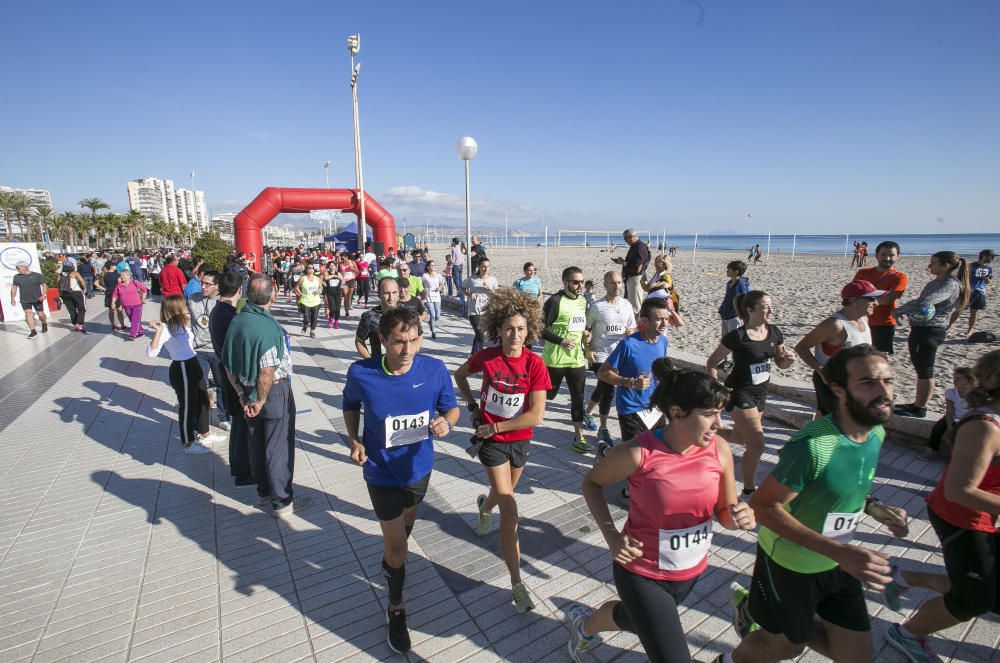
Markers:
<point>258,361</point>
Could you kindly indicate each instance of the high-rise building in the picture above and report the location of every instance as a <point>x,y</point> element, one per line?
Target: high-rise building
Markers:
<point>222,224</point>
<point>36,196</point>
<point>155,197</point>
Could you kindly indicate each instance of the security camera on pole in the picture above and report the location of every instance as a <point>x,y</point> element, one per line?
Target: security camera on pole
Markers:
<point>467,150</point>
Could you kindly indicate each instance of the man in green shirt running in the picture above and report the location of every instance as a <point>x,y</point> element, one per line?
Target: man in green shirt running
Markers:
<point>565,333</point>
<point>807,580</point>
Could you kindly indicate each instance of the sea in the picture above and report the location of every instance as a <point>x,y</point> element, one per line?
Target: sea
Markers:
<point>968,245</point>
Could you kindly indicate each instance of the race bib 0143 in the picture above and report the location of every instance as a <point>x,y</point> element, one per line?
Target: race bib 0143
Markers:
<point>407,429</point>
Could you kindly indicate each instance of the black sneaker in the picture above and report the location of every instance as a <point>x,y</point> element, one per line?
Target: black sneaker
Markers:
<point>910,410</point>
<point>33,333</point>
<point>399,635</point>
<point>45,327</point>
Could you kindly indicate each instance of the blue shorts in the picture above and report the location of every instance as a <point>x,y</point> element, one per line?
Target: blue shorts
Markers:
<point>977,302</point>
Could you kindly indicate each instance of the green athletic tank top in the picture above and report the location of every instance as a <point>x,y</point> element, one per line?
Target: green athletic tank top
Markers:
<point>569,322</point>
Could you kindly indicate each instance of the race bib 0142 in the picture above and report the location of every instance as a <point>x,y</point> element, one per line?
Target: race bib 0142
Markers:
<point>507,406</point>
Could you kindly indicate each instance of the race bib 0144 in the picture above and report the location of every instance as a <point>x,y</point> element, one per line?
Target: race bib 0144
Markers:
<point>682,549</point>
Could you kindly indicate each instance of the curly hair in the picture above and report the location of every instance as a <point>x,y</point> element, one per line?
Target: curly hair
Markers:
<point>507,302</point>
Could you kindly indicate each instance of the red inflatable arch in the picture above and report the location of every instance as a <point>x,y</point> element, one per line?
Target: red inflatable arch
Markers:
<point>273,201</point>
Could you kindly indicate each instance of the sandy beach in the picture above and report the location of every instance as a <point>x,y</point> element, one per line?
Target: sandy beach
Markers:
<point>804,291</point>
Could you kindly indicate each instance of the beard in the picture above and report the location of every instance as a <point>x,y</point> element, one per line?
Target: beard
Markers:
<point>864,415</point>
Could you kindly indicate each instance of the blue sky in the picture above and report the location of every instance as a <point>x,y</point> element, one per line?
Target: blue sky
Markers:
<point>830,117</point>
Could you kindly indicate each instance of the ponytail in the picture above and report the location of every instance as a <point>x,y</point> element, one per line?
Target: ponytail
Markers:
<point>743,303</point>
<point>685,388</point>
<point>953,261</point>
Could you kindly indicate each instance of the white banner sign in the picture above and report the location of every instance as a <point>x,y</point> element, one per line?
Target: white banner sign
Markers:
<point>10,255</point>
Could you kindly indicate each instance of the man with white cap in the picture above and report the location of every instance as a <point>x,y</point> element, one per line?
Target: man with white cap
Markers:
<point>33,291</point>
<point>843,329</point>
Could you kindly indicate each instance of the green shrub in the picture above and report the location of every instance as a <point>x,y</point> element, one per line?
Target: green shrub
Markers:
<point>212,249</point>
<point>50,271</point>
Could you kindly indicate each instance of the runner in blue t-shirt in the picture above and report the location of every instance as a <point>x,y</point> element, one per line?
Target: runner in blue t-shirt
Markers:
<point>980,275</point>
<point>408,400</point>
<point>630,366</point>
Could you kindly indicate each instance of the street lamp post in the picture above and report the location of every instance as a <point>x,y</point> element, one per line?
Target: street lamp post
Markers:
<point>353,46</point>
<point>326,179</point>
<point>467,148</point>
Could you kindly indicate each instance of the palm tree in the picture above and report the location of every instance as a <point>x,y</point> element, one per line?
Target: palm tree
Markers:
<point>134,223</point>
<point>6,202</point>
<point>21,209</point>
<point>60,224</point>
<point>94,204</point>
<point>43,213</point>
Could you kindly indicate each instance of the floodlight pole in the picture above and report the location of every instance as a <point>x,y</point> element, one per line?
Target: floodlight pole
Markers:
<point>353,46</point>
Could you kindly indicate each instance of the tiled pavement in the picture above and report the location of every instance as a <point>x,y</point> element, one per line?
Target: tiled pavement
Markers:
<point>116,546</point>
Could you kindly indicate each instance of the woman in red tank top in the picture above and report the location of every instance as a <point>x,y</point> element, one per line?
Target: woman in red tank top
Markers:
<point>680,478</point>
<point>964,510</point>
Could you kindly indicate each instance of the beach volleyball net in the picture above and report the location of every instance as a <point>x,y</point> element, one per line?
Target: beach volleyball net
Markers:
<point>596,238</point>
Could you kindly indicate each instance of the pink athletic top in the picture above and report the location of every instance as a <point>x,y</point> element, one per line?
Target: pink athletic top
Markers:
<point>671,508</point>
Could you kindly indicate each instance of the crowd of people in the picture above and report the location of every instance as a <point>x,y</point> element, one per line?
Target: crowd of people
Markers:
<point>673,454</point>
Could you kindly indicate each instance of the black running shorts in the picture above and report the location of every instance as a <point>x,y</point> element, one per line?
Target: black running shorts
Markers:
<point>494,454</point>
<point>390,501</point>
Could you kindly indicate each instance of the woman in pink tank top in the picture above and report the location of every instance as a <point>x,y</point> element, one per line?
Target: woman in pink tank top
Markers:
<point>680,478</point>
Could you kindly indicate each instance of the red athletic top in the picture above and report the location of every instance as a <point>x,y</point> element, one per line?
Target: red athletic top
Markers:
<point>507,381</point>
<point>891,281</point>
<point>172,280</point>
<point>672,500</point>
<point>961,516</point>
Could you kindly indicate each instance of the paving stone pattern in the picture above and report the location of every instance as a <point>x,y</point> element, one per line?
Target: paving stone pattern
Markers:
<point>115,546</point>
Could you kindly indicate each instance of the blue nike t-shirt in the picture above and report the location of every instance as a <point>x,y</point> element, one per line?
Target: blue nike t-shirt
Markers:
<point>398,410</point>
<point>632,358</point>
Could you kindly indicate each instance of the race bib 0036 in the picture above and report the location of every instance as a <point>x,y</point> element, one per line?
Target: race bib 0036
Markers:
<point>407,429</point>
<point>507,406</point>
<point>760,373</point>
<point>840,526</point>
<point>682,549</point>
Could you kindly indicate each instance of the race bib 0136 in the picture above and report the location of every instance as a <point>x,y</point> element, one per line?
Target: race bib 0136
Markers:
<point>407,429</point>
<point>507,406</point>
<point>840,526</point>
<point>682,549</point>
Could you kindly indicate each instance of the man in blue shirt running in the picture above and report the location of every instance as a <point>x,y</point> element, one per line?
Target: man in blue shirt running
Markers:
<point>408,400</point>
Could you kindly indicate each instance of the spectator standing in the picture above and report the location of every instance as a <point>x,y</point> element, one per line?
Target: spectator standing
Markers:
<point>172,279</point>
<point>884,276</point>
<point>132,296</point>
<point>633,267</point>
<point>71,289</point>
<point>86,271</point>
<point>230,288</point>
<point>980,275</point>
<point>31,286</point>
<point>200,306</point>
<point>258,360</point>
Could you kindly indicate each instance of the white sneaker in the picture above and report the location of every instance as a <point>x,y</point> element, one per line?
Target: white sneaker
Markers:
<point>225,425</point>
<point>196,448</point>
<point>210,438</point>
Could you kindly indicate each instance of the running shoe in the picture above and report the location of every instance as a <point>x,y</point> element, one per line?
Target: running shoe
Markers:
<point>329,323</point>
<point>211,438</point>
<point>602,449</point>
<point>485,519</point>
<point>589,422</point>
<point>336,324</point>
<point>33,334</point>
<point>196,448</point>
<point>45,327</point>
<point>581,446</point>
<point>522,600</point>
<point>916,650</point>
<point>892,590</point>
<point>604,435</point>
<point>225,425</point>
<point>295,506</point>
<point>399,636</point>
<point>743,623</point>
<point>578,642</point>
<point>910,410</point>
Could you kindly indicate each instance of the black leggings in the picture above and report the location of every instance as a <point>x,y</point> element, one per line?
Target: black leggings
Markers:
<point>576,380</point>
<point>74,306</point>
<point>972,560</point>
<point>309,314</point>
<point>923,343</point>
<point>362,289</point>
<point>333,302</point>
<point>604,393</point>
<point>192,409</point>
<point>477,335</point>
<point>648,608</point>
